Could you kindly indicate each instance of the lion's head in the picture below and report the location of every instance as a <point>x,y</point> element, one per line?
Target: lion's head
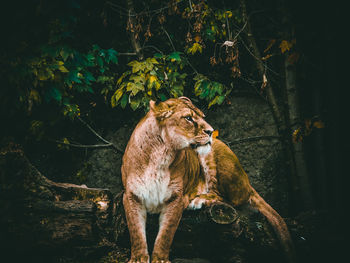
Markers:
<point>183,124</point>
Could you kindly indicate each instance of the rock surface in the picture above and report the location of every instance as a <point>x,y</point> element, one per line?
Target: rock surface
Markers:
<point>247,126</point>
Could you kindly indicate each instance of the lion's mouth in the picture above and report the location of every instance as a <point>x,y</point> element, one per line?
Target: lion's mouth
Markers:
<point>196,145</point>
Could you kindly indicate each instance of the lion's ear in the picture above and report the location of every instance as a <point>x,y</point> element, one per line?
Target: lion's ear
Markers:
<point>185,99</point>
<point>152,105</point>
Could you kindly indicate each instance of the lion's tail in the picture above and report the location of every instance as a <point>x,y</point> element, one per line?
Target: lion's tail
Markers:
<point>277,223</point>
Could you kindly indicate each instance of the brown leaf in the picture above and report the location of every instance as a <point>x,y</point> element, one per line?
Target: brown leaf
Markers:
<point>318,124</point>
<point>297,135</point>
<point>197,38</point>
<point>266,57</point>
<point>213,61</point>
<point>264,83</point>
<point>285,46</point>
<point>269,45</point>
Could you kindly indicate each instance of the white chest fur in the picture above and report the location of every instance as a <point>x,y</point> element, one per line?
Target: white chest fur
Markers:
<point>152,187</point>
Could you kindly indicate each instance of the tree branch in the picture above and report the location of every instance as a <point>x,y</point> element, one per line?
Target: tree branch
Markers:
<point>106,145</point>
<point>254,138</point>
<point>86,145</point>
<point>277,114</point>
<point>133,35</point>
<point>93,131</point>
<point>171,42</point>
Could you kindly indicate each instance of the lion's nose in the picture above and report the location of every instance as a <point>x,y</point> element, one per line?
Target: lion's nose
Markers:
<point>209,132</point>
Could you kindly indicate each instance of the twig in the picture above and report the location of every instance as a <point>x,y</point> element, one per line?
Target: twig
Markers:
<point>254,138</point>
<point>125,12</point>
<point>93,131</point>
<point>240,31</point>
<point>106,145</point>
<point>154,47</point>
<point>86,146</point>
<point>196,72</point>
<point>190,4</point>
<point>171,42</point>
<point>259,60</point>
<point>228,29</point>
<point>127,54</point>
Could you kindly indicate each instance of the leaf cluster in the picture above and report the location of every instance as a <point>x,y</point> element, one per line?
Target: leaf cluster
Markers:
<point>158,78</point>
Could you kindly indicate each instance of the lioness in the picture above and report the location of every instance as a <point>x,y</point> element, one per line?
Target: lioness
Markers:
<point>171,163</point>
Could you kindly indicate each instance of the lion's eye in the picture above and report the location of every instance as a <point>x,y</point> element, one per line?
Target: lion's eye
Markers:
<point>189,118</point>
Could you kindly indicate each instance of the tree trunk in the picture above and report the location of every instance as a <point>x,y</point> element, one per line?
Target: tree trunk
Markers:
<point>295,120</point>
<point>133,30</point>
<point>281,123</point>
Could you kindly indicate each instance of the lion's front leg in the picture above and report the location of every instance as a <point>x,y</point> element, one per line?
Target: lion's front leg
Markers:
<point>136,219</point>
<point>169,219</point>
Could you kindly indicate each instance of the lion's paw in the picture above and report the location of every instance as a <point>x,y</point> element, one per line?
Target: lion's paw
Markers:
<point>161,261</point>
<point>141,259</point>
<point>197,203</point>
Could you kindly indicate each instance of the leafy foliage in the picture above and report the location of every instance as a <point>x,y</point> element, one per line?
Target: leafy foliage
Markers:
<point>60,73</point>
<point>159,77</point>
<point>214,92</point>
<point>70,63</point>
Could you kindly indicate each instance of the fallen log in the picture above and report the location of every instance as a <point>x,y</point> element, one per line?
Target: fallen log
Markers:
<point>41,218</point>
<point>219,233</point>
<point>43,221</point>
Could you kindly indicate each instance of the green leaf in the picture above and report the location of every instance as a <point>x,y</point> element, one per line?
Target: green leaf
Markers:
<point>102,79</point>
<point>158,55</point>
<point>53,93</point>
<point>124,101</point>
<point>162,97</point>
<point>116,97</point>
<point>123,76</point>
<point>210,34</point>
<point>73,77</point>
<point>138,79</point>
<point>175,56</point>
<point>136,66</point>
<point>134,104</point>
<point>64,54</point>
<point>89,77</point>
<point>112,56</point>
<point>177,91</point>
<point>63,69</point>
<point>99,62</point>
<point>152,60</point>
<point>134,88</point>
<point>221,99</point>
<point>90,57</point>
<point>95,47</point>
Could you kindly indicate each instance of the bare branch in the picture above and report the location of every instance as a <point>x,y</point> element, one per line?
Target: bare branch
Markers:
<point>107,143</point>
<point>254,138</point>
<point>154,47</point>
<point>93,131</point>
<point>86,146</point>
<point>127,54</point>
<point>171,42</point>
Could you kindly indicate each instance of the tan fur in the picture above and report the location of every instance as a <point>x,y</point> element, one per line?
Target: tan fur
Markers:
<point>233,185</point>
<point>163,173</point>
